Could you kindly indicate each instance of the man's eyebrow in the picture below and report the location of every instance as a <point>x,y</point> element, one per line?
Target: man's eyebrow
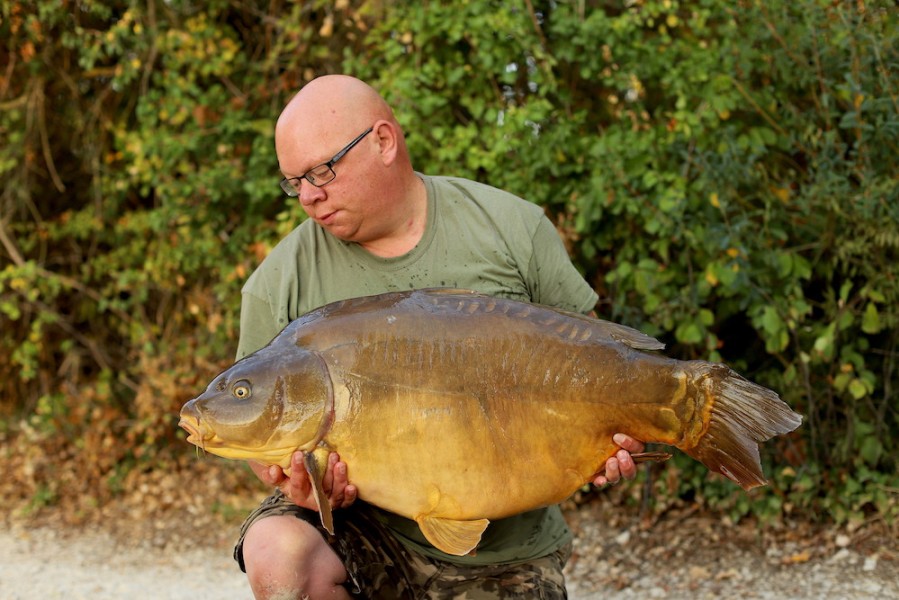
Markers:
<point>290,175</point>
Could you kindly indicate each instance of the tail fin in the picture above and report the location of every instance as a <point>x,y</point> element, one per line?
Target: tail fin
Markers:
<point>743,415</point>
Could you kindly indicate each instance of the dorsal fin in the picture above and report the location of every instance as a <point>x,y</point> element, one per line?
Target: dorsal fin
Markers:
<point>599,328</point>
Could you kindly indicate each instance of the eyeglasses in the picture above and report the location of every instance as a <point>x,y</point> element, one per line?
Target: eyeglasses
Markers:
<point>321,174</point>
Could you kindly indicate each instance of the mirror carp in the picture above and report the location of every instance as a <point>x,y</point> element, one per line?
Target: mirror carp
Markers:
<point>453,408</point>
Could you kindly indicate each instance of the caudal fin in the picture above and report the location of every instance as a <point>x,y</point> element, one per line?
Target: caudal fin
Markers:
<point>743,415</point>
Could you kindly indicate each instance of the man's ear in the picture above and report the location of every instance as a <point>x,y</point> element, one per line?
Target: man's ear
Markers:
<point>388,141</point>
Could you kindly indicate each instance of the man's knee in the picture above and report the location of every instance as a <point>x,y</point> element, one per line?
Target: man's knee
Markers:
<point>286,557</point>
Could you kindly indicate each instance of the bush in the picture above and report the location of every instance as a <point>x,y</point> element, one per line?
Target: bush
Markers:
<point>723,174</point>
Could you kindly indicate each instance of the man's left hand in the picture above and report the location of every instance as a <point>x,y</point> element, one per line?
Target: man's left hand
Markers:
<point>620,465</point>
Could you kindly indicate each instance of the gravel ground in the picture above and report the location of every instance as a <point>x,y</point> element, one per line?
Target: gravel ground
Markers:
<point>46,564</point>
<point>694,557</point>
<point>680,556</point>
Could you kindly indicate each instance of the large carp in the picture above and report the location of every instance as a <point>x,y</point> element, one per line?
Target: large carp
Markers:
<point>453,408</point>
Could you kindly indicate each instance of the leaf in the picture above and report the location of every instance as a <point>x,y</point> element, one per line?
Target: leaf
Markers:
<point>871,319</point>
<point>689,333</point>
<point>858,389</point>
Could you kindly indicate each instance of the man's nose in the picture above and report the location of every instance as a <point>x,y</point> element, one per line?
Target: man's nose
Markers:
<point>310,194</point>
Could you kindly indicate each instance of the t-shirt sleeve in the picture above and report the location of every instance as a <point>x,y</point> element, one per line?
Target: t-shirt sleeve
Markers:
<point>553,279</point>
<point>258,325</point>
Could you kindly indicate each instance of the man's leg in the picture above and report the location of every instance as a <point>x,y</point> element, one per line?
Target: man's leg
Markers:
<point>287,558</point>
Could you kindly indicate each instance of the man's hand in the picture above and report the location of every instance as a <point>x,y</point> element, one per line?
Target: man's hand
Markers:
<point>298,489</point>
<point>620,465</point>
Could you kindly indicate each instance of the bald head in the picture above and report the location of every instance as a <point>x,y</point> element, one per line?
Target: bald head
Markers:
<point>375,198</point>
<point>335,106</point>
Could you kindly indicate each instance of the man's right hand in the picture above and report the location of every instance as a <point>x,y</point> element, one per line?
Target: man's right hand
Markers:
<point>297,487</point>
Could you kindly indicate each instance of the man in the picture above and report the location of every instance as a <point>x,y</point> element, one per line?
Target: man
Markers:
<point>375,225</point>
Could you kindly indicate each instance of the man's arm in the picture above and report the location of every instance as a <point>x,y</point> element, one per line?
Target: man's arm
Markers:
<point>257,325</point>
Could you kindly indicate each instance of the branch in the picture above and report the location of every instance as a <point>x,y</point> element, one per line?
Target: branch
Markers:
<point>10,247</point>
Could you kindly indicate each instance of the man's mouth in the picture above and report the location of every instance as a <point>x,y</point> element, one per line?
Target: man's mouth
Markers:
<point>326,218</point>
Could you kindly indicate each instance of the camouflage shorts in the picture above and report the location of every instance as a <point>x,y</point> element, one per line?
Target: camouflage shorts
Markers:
<point>379,566</point>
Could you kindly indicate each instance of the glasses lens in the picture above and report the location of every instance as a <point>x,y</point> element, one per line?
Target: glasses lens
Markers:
<point>320,175</point>
<point>291,187</point>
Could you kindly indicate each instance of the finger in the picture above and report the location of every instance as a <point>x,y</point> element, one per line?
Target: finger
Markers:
<point>339,479</point>
<point>275,475</point>
<point>268,474</point>
<point>628,443</point>
<point>349,495</point>
<point>626,466</point>
<point>344,498</point>
<point>299,483</point>
<point>298,473</point>
<point>297,461</point>
<point>612,473</point>
<point>330,481</point>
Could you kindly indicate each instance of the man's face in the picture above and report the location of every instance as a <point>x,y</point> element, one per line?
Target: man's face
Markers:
<point>347,206</point>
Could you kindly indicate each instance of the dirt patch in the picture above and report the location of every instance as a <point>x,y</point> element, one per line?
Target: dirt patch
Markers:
<point>171,537</point>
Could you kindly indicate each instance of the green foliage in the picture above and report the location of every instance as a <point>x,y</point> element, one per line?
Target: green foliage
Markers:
<point>140,190</point>
<point>722,173</point>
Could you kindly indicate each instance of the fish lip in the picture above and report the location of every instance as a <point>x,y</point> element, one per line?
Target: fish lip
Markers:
<point>194,434</point>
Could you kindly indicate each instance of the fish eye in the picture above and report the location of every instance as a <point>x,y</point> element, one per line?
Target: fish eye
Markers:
<point>242,390</point>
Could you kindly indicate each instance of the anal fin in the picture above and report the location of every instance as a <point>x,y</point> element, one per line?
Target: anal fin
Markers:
<point>451,536</point>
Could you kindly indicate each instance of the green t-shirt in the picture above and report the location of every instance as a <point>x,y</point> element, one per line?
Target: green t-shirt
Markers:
<point>476,237</point>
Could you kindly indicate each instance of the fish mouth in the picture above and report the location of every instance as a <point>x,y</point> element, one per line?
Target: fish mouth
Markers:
<point>195,434</point>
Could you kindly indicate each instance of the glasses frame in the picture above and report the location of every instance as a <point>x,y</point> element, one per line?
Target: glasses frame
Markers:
<point>290,186</point>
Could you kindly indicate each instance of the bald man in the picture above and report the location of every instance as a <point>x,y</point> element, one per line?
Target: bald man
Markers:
<point>375,225</point>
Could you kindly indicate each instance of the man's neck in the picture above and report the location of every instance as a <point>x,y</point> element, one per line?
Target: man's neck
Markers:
<point>409,228</point>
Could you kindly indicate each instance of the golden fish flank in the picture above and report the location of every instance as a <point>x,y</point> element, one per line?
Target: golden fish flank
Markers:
<point>469,384</point>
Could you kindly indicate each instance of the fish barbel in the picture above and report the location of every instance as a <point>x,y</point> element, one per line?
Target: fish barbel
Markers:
<point>465,386</point>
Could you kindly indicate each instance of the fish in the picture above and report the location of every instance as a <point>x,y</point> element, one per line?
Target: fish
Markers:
<point>453,408</point>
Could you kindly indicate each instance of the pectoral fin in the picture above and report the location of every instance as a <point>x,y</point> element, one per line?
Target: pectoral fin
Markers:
<point>316,462</point>
<point>453,537</point>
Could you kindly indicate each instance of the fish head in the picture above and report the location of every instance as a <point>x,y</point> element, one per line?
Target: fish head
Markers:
<point>263,408</point>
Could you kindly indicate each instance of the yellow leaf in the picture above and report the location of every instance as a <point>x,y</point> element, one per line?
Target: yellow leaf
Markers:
<point>327,27</point>
<point>799,557</point>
